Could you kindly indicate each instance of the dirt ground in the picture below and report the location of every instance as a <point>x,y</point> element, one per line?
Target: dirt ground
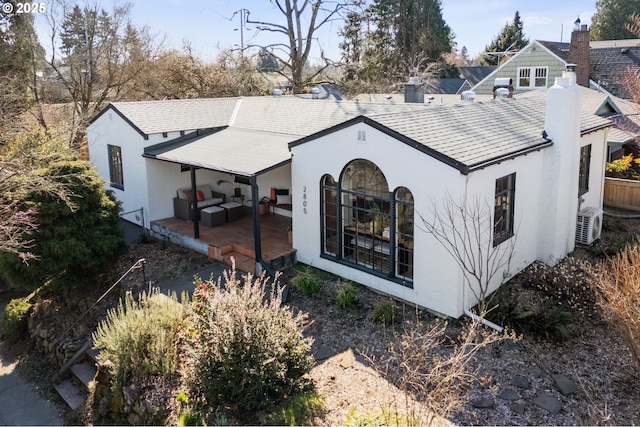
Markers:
<point>356,392</point>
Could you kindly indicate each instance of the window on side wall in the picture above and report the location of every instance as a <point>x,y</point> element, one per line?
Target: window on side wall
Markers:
<point>585,162</point>
<point>116,177</point>
<point>504,208</point>
<point>532,77</point>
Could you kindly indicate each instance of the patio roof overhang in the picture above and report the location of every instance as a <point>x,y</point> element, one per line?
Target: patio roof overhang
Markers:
<point>242,153</point>
<point>235,151</point>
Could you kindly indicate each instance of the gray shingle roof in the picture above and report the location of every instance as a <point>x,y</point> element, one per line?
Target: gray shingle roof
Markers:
<point>476,74</point>
<point>261,127</point>
<point>151,117</point>
<point>476,133</point>
<point>609,64</point>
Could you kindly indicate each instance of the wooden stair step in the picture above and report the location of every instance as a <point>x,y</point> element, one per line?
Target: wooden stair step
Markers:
<point>71,393</point>
<point>84,372</point>
<point>243,262</point>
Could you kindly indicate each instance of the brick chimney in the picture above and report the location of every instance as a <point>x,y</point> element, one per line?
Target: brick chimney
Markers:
<point>579,54</point>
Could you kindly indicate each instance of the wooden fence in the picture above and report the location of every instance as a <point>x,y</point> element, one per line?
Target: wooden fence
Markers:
<point>622,193</point>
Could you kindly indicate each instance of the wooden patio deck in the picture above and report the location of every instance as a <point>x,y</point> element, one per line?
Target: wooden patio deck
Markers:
<point>234,239</point>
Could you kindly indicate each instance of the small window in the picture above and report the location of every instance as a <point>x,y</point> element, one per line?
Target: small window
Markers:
<point>532,77</point>
<point>585,162</point>
<point>115,167</point>
<point>504,208</point>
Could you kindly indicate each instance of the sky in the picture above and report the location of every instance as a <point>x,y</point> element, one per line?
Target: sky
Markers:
<point>210,25</point>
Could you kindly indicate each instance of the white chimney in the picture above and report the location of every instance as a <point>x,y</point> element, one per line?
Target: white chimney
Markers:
<point>559,191</point>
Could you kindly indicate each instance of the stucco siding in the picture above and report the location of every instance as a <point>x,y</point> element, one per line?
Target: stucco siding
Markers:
<point>481,187</point>
<point>594,197</point>
<point>111,129</point>
<point>436,283</point>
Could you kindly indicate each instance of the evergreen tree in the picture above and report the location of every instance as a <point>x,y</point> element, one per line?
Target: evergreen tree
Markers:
<point>510,39</point>
<point>611,17</point>
<point>73,241</point>
<point>353,42</point>
<point>394,39</point>
<point>20,57</point>
<point>422,34</point>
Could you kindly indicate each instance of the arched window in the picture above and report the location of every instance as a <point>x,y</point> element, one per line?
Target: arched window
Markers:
<point>329,215</point>
<point>365,225</point>
<point>404,232</point>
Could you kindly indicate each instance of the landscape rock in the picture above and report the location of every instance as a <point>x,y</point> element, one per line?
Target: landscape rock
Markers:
<point>483,403</point>
<point>564,384</point>
<point>520,381</point>
<point>509,394</point>
<point>548,403</point>
<point>535,372</point>
<point>517,407</point>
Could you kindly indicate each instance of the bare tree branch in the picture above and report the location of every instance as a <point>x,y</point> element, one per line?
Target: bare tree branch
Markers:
<point>465,231</point>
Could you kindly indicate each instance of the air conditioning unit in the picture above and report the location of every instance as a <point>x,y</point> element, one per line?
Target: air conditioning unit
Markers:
<point>589,225</point>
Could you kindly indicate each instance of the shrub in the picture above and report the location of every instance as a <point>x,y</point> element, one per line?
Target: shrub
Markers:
<point>625,167</point>
<point>384,311</point>
<point>305,281</point>
<point>14,324</point>
<point>618,291</point>
<point>72,242</point>
<point>301,410</point>
<point>568,283</point>
<point>139,337</point>
<point>346,294</point>
<point>433,379</point>
<point>247,350</point>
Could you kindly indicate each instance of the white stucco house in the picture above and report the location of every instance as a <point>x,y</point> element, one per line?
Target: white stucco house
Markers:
<point>361,176</point>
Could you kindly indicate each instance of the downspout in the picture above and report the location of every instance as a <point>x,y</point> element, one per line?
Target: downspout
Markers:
<point>257,241</point>
<point>194,205</point>
<point>477,318</point>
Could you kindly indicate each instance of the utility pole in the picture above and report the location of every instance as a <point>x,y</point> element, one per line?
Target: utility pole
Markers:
<point>244,15</point>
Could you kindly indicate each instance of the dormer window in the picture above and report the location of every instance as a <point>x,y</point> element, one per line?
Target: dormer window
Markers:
<point>532,77</point>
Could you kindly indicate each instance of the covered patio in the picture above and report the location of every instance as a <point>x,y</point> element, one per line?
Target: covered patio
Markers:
<point>255,241</point>
<point>234,239</point>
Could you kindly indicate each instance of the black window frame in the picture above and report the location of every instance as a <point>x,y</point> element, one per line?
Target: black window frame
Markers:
<point>116,175</point>
<point>583,172</point>
<point>385,250</point>
<point>504,208</point>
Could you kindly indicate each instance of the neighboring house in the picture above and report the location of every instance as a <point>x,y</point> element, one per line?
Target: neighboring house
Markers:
<point>469,77</point>
<point>362,176</point>
<point>475,75</point>
<point>447,86</point>
<point>599,66</point>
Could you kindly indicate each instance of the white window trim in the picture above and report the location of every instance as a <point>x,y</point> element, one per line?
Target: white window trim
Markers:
<point>532,78</point>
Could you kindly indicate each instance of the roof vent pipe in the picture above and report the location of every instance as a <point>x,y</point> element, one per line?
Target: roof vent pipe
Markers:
<point>277,93</point>
<point>502,93</point>
<point>570,73</point>
<point>468,96</point>
<point>315,93</point>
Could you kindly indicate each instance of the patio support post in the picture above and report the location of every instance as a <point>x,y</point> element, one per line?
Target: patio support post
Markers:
<point>255,198</point>
<point>194,204</point>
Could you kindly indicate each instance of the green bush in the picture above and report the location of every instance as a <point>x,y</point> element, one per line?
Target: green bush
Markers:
<point>346,294</point>
<point>305,281</point>
<point>300,410</point>
<point>139,337</point>
<point>14,324</point>
<point>384,311</point>
<point>72,242</point>
<point>247,350</point>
